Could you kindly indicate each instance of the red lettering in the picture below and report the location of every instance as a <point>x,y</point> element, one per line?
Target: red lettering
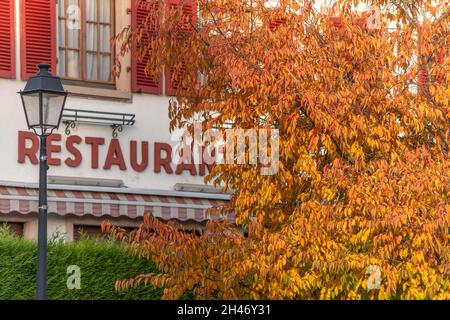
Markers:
<point>28,147</point>
<point>94,142</point>
<point>182,166</point>
<point>207,161</point>
<point>114,156</point>
<point>24,151</point>
<point>52,148</point>
<point>70,146</point>
<point>190,167</point>
<point>139,167</point>
<point>162,162</point>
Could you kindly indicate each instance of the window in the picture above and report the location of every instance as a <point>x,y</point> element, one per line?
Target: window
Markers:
<point>92,232</point>
<point>88,232</point>
<point>85,28</point>
<point>15,228</point>
<point>196,232</point>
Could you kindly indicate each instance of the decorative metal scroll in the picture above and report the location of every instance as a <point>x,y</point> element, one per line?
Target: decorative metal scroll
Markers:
<point>72,118</point>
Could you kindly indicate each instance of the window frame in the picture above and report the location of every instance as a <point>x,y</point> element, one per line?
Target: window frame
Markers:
<point>16,229</point>
<point>93,231</point>
<point>82,79</point>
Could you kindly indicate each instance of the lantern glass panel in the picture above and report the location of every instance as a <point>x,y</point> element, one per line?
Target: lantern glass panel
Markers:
<point>31,105</point>
<point>52,107</point>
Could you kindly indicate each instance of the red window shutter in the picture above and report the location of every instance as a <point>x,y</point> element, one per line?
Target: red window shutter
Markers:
<point>441,57</point>
<point>422,74</point>
<point>422,77</point>
<point>273,25</point>
<point>38,35</point>
<point>7,40</point>
<point>336,22</point>
<point>140,81</point>
<point>422,80</point>
<point>173,79</point>
<point>441,60</point>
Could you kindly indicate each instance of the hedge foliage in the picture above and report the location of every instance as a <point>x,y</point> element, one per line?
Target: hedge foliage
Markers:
<point>101,262</point>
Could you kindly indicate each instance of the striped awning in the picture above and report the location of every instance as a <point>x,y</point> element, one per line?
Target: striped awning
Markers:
<point>113,204</point>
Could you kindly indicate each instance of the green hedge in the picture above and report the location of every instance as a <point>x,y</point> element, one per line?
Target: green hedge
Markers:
<point>101,263</point>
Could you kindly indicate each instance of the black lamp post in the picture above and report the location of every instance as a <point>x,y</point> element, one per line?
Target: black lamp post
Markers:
<point>43,101</point>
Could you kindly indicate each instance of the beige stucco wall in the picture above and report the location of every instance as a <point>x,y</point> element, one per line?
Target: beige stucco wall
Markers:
<point>152,125</point>
<point>58,225</point>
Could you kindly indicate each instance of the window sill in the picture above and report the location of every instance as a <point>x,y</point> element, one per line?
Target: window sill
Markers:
<point>99,93</point>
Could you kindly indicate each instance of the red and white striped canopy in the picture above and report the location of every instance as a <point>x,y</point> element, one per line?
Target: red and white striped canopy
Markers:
<point>114,204</point>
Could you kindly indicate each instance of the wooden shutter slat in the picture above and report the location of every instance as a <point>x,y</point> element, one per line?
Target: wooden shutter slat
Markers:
<point>273,25</point>
<point>38,35</point>
<point>173,80</point>
<point>142,82</point>
<point>7,40</point>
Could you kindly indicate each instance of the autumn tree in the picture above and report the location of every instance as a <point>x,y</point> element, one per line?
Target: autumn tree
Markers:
<point>360,95</point>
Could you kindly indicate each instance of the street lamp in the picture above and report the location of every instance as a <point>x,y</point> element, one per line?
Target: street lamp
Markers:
<point>43,101</point>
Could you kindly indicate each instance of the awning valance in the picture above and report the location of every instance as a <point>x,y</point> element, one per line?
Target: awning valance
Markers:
<point>113,204</point>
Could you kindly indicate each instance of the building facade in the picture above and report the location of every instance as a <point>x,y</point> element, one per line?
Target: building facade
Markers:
<point>111,157</point>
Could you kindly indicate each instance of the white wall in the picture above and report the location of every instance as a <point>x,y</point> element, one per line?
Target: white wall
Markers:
<point>152,125</point>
